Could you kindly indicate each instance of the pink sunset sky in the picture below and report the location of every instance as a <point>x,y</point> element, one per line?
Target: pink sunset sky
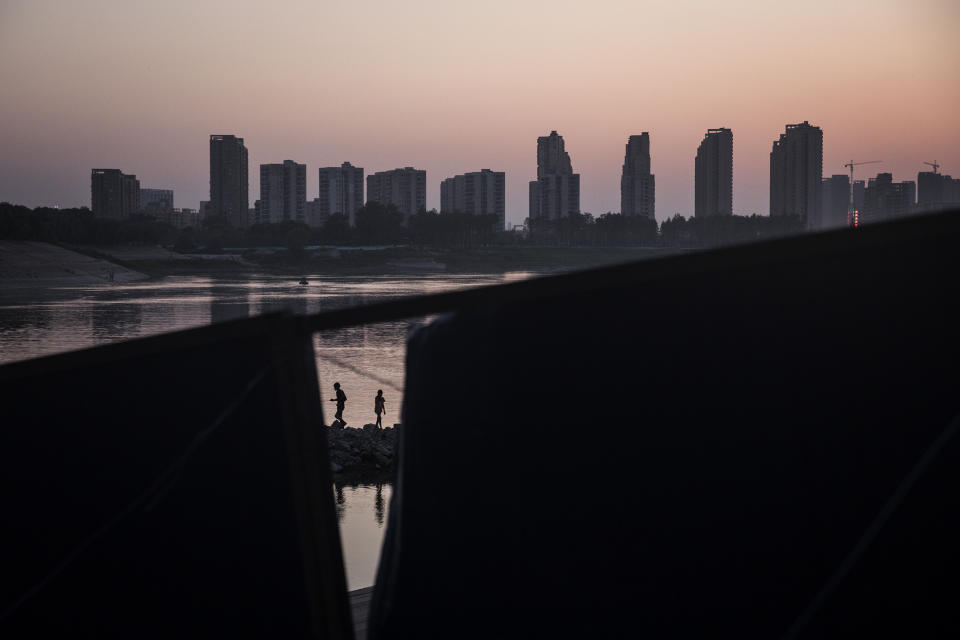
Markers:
<point>451,86</point>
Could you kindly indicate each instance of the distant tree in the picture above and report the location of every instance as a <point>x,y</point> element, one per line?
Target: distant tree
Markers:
<point>615,229</point>
<point>296,239</point>
<point>274,234</point>
<point>336,230</point>
<point>724,230</point>
<point>377,223</point>
<point>453,229</point>
<point>185,242</point>
<point>674,232</point>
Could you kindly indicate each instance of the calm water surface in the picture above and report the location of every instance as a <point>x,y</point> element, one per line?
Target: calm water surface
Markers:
<point>363,359</point>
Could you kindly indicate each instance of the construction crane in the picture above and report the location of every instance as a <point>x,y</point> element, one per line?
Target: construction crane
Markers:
<point>934,165</point>
<point>853,218</point>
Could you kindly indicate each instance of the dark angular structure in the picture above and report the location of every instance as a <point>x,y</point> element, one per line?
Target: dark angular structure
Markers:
<point>775,455</point>
<point>168,487</point>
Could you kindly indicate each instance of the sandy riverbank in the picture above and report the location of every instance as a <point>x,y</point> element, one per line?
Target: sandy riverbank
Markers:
<point>26,264</point>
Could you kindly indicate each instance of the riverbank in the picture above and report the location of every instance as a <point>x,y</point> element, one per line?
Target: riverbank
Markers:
<point>387,260</point>
<point>31,265</point>
<point>28,264</point>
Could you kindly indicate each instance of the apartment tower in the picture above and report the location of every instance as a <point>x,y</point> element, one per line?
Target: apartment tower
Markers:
<point>477,193</point>
<point>713,175</point>
<point>637,185</point>
<point>341,191</point>
<point>114,194</point>
<point>229,186</point>
<point>796,173</point>
<point>283,192</point>
<point>405,188</point>
<point>555,193</point>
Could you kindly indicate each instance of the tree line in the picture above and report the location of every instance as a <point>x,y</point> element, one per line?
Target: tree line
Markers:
<point>377,224</point>
<point>617,230</point>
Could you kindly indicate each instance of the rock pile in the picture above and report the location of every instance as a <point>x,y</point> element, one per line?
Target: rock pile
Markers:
<point>361,451</point>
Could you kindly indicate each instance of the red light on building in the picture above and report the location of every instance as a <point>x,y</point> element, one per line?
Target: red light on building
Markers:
<point>856,218</point>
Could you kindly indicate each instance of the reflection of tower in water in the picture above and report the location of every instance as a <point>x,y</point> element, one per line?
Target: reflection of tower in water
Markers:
<point>25,318</point>
<point>228,303</point>
<point>378,504</point>
<point>273,302</point>
<point>114,321</point>
<point>341,506</point>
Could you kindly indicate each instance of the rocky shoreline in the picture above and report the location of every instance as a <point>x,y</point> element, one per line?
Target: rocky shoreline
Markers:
<point>366,453</point>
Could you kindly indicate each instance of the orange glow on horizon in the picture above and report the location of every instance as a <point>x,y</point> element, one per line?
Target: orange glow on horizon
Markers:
<point>454,87</point>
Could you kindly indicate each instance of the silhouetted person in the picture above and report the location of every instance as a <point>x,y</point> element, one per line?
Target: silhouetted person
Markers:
<point>378,407</point>
<point>341,401</point>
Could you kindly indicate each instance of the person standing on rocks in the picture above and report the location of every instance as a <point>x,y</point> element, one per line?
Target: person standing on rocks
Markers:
<point>341,401</point>
<point>378,407</point>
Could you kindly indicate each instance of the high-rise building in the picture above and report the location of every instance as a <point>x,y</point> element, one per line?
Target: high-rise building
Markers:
<point>156,198</point>
<point>835,194</point>
<point>884,198</point>
<point>859,191</point>
<point>312,213</point>
<point>283,192</point>
<point>341,191</point>
<point>936,192</point>
<point>796,173</point>
<point>477,193</point>
<point>405,188</point>
<point>713,174</point>
<point>556,191</point>
<point>637,186</point>
<point>183,218</point>
<point>114,194</point>
<point>229,185</point>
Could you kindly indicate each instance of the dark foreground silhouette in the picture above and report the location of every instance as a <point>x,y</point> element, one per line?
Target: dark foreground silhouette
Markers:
<point>790,468</point>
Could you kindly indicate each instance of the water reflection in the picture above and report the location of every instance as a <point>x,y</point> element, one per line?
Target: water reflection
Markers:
<point>21,318</point>
<point>228,302</point>
<point>378,505</point>
<point>361,510</point>
<point>112,321</point>
<point>341,508</point>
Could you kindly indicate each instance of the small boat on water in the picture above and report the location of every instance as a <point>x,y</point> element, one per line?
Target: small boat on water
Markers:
<point>304,281</point>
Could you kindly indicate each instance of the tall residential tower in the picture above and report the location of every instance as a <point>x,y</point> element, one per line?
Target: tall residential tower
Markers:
<point>477,193</point>
<point>341,191</point>
<point>637,186</point>
<point>713,175</point>
<point>229,186</point>
<point>283,192</point>
<point>556,191</point>
<point>405,188</point>
<point>835,201</point>
<point>885,199</point>
<point>114,194</point>
<point>796,172</point>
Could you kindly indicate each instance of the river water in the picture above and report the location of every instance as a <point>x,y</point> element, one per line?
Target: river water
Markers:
<point>363,359</point>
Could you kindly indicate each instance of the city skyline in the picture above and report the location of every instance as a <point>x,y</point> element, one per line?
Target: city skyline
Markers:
<point>476,105</point>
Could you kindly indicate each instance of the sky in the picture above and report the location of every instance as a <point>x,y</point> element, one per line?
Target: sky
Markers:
<point>451,86</point>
